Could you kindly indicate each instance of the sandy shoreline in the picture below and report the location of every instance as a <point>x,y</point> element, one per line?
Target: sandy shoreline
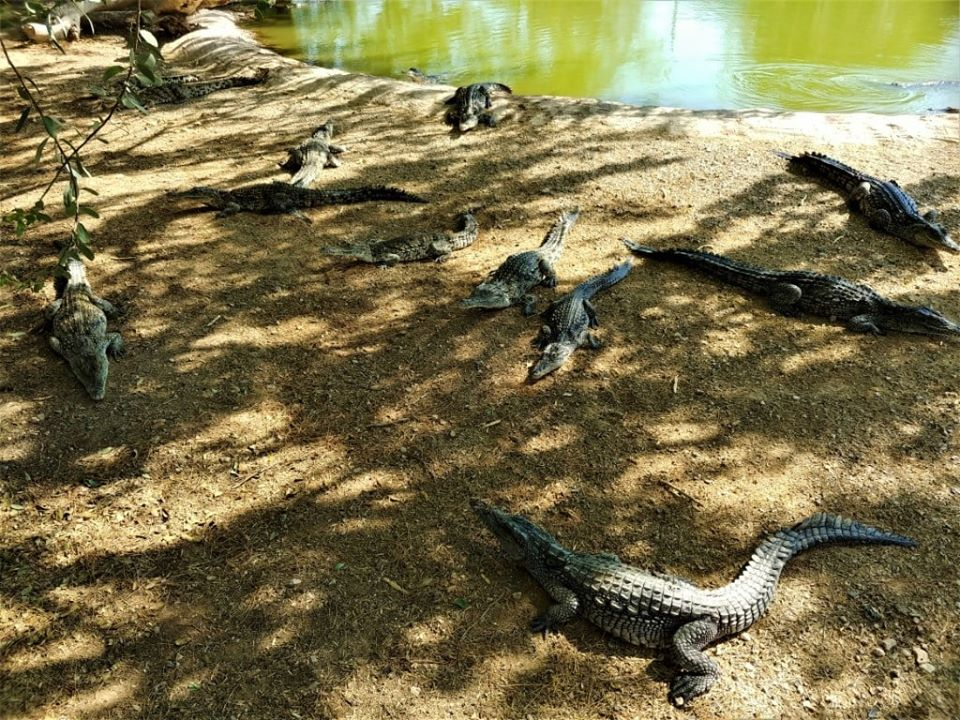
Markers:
<point>290,438</point>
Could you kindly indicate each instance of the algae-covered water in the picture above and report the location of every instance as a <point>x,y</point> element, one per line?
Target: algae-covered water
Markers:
<point>827,55</point>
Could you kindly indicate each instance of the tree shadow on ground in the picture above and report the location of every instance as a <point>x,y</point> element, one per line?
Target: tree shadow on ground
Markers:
<point>268,513</point>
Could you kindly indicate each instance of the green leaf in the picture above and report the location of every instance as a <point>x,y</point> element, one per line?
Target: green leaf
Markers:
<point>128,100</point>
<point>80,232</point>
<point>461,603</point>
<point>112,71</point>
<point>340,566</point>
<point>81,168</point>
<point>39,152</point>
<point>51,125</point>
<point>92,191</point>
<point>22,120</point>
<point>150,62</point>
<point>22,92</point>
<point>87,210</point>
<point>148,38</point>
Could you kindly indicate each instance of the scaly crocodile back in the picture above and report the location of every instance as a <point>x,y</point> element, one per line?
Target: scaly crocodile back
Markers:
<point>591,287</point>
<point>75,277</point>
<point>183,91</point>
<point>346,196</point>
<point>832,171</point>
<point>744,600</point>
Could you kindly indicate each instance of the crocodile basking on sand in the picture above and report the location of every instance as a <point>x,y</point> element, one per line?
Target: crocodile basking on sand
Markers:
<point>470,103</point>
<point>567,322</point>
<point>791,292</point>
<point>78,323</point>
<point>307,159</point>
<point>280,197</point>
<point>178,89</point>
<point>511,283</point>
<point>409,248</point>
<point>662,611</point>
<point>884,203</point>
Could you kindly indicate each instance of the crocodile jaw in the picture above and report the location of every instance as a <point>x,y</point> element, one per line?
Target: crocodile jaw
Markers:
<point>554,355</point>
<point>91,367</point>
<point>920,320</point>
<point>488,297</point>
<point>928,234</point>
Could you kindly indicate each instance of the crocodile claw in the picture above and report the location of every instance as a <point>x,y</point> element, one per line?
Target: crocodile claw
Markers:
<point>541,624</point>
<point>687,686</point>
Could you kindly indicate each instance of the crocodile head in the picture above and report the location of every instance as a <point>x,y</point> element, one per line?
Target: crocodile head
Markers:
<point>210,196</point>
<point>491,296</point>
<point>925,231</point>
<point>553,356</point>
<point>921,320</point>
<point>519,538</point>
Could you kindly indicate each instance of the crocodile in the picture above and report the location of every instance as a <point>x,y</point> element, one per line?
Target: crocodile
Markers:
<point>791,292</point>
<point>306,160</point>
<point>418,76</point>
<point>408,248</point>
<point>511,283</point>
<point>567,322</point>
<point>884,203</point>
<point>78,323</point>
<point>661,611</point>
<point>280,197</point>
<point>182,89</point>
<point>469,104</point>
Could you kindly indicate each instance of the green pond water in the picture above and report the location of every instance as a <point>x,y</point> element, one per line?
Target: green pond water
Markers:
<point>827,55</point>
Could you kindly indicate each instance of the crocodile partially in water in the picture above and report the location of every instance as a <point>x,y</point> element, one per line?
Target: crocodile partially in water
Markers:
<point>662,611</point>
<point>883,202</point>
<point>791,292</point>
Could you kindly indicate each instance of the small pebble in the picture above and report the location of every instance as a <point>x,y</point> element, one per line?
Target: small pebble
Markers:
<point>293,582</point>
<point>878,652</point>
<point>921,655</point>
<point>928,668</point>
<point>888,644</point>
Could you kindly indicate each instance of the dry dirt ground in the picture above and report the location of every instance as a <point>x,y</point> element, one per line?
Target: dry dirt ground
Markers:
<point>267,516</point>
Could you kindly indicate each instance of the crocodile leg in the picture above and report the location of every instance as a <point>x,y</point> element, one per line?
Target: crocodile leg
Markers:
<point>591,314</point>
<point>557,614</point>
<point>52,309</point>
<point>549,274</point>
<point>591,341</point>
<point>864,324</point>
<point>879,219</point>
<point>107,307</point>
<point>543,337</point>
<point>784,297</point>
<point>698,673</point>
<point>931,216</point>
<point>528,305</point>
<point>115,347</point>
<point>228,210</point>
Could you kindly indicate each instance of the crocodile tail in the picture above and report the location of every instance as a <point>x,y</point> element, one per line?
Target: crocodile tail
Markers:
<point>758,580</point>
<point>831,171</point>
<point>362,194</point>
<point>552,244</point>
<point>641,250</point>
<point>352,250</point>
<point>614,275</point>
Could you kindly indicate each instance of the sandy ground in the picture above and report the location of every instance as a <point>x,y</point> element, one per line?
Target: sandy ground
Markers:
<point>267,516</point>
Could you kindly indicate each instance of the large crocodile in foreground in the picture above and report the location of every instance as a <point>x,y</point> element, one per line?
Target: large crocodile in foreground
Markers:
<point>279,197</point>
<point>511,283</point>
<point>306,160</point>
<point>470,103</point>
<point>78,323</point>
<point>884,203</point>
<point>791,292</point>
<point>661,611</point>
<point>409,248</point>
<point>567,322</point>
